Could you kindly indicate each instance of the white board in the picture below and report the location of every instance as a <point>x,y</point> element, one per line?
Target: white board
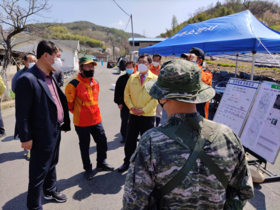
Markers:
<point>236,103</point>
<point>261,133</point>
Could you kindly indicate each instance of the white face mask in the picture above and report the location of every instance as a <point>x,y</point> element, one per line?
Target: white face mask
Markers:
<point>30,65</point>
<point>57,64</point>
<point>142,68</point>
<point>155,64</point>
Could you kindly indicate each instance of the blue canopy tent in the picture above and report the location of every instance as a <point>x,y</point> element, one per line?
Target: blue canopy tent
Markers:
<point>240,32</point>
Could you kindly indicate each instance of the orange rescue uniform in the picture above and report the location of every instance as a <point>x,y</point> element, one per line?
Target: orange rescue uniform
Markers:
<point>135,69</point>
<point>82,100</point>
<point>206,78</point>
<point>154,71</point>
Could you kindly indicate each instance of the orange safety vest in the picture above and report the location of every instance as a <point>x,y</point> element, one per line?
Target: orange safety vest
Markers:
<point>206,78</point>
<point>135,69</point>
<point>82,98</point>
<point>153,70</point>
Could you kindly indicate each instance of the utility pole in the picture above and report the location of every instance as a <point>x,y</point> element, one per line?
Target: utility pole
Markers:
<point>132,32</point>
<point>113,50</point>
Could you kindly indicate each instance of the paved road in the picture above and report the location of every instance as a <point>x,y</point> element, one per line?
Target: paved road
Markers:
<point>106,189</point>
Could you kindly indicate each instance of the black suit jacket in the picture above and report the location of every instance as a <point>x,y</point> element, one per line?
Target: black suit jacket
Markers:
<point>119,91</point>
<point>59,76</point>
<point>36,112</point>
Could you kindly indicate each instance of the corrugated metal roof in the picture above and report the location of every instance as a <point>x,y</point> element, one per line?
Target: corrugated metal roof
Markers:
<point>147,39</point>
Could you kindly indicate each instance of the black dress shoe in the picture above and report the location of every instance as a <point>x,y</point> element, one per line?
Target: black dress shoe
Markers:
<point>57,196</point>
<point>123,168</point>
<point>104,167</point>
<point>89,175</point>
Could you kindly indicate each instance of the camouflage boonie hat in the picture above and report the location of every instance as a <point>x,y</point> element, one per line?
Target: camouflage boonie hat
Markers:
<point>180,80</point>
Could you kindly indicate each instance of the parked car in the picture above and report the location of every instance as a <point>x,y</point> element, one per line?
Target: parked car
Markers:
<point>111,64</point>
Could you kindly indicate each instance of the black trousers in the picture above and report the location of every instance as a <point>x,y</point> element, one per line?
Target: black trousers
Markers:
<point>2,130</point>
<point>98,134</point>
<point>124,124</point>
<point>136,124</point>
<point>42,173</point>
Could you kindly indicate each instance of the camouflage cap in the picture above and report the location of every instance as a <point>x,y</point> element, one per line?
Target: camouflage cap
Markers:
<point>180,80</point>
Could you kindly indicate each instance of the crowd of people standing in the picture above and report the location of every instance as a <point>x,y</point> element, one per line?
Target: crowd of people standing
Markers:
<point>164,172</point>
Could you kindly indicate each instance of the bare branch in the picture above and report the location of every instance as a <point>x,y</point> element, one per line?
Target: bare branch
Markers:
<point>246,4</point>
<point>16,16</point>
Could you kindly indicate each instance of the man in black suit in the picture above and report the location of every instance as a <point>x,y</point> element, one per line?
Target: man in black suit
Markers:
<point>59,76</point>
<point>119,97</point>
<point>41,114</point>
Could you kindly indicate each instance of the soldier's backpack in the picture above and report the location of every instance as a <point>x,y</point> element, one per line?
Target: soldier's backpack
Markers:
<point>207,130</point>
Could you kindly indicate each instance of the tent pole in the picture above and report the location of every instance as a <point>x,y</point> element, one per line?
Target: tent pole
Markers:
<point>236,66</point>
<point>253,64</point>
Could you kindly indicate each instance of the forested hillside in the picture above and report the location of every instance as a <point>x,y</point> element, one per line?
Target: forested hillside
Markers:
<point>266,11</point>
<point>89,34</point>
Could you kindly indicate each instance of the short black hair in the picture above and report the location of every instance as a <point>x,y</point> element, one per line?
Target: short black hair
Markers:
<point>130,63</point>
<point>29,53</point>
<point>46,46</point>
<point>157,55</point>
<point>146,55</point>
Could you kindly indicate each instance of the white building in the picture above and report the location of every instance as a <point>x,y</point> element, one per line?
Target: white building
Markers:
<point>69,55</point>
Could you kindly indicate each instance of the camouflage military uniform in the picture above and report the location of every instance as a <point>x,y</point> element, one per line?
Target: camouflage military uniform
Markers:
<point>158,159</point>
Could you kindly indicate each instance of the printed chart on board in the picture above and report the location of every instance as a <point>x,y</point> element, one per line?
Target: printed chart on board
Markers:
<point>261,133</point>
<point>235,104</point>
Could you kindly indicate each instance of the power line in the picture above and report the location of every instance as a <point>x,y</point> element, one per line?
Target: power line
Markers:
<point>127,23</point>
<point>121,8</point>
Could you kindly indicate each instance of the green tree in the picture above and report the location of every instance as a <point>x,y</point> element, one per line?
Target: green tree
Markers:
<point>218,4</point>
<point>59,29</point>
<point>201,17</point>
<point>230,11</point>
<point>174,22</point>
<point>236,5</point>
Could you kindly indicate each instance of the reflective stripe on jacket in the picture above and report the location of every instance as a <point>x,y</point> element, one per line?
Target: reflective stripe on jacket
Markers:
<point>82,98</point>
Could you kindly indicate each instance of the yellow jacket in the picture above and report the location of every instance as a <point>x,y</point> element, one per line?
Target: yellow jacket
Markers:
<point>2,86</point>
<point>135,95</point>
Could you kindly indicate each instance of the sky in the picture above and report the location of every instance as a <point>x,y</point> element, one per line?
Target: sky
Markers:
<point>150,17</point>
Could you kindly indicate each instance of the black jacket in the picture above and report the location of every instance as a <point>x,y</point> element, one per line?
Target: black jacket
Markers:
<point>59,76</point>
<point>36,112</point>
<point>119,90</point>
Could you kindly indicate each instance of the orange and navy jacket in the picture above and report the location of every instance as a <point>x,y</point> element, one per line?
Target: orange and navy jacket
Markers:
<point>135,69</point>
<point>206,78</point>
<point>82,98</point>
<point>154,71</point>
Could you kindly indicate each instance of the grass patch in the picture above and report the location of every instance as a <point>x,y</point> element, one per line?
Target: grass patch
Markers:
<point>12,94</point>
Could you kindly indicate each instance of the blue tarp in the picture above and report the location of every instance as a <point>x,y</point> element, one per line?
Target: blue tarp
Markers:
<point>239,32</point>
